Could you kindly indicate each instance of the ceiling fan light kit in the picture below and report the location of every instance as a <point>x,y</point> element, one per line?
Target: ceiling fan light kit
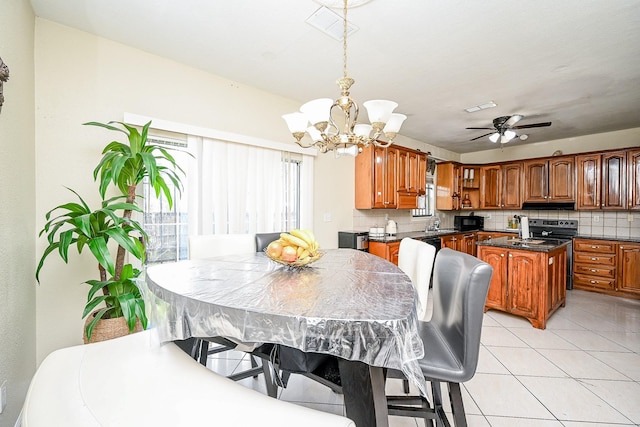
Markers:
<point>503,129</point>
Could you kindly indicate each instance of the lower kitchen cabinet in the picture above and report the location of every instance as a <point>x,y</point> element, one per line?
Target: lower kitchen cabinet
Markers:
<point>463,242</point>
<point>525,283</point>
<point>388,251</point>
<point>607,266</point>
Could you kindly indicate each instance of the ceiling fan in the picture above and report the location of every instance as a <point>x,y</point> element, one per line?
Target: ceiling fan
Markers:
<point>503,128</point>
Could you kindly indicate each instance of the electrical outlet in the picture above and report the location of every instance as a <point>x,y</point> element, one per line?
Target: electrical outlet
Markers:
<point>630,217</point>
<point>327,217</point>
<point>596,218</point>
<point>3,395</point>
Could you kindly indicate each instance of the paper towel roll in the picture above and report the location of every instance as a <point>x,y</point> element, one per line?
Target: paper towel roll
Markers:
<point>524,227</point>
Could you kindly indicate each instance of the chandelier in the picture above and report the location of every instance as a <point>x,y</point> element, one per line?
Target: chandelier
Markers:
<point>346,136</point>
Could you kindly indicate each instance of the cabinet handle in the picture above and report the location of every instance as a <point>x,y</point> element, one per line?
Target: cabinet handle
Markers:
<point>594,247</point>
<point>593,271</point>
<point>502,255</point>
<point>510,255</point>
<point>621,247</point>
<point>594,259</point>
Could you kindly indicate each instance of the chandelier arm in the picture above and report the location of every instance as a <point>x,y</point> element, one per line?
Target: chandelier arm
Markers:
<point>382,144</point>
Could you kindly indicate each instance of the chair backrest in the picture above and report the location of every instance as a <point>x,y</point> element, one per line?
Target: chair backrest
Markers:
<point>460,287</point>
<point>415,259</point>
<point>263,240</point>
<point>213,245</point>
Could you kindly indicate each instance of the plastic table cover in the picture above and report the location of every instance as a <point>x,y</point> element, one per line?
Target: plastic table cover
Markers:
<point>349,304</point>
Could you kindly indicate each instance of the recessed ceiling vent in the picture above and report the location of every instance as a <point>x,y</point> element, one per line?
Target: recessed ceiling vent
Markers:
<point>330,23</point>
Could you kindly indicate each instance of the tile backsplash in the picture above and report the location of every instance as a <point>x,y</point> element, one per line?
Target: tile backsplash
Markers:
<point>593,223</point>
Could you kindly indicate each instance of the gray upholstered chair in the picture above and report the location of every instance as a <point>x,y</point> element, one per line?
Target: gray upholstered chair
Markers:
<point>263,240</point>
<point>452,337</point>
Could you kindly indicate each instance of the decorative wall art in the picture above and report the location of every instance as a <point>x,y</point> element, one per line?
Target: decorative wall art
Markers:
<point>4,76</point>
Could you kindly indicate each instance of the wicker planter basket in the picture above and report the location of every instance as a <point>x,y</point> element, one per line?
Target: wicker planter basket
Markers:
<point>107,329</point>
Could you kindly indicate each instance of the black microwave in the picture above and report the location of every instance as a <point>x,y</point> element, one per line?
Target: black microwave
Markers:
<point>468,223</point>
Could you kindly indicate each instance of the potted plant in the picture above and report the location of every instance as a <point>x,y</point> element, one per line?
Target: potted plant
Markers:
<point>74,225</point>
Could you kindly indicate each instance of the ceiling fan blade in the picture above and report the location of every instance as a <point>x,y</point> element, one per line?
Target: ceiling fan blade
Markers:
<point>482,136</point>
<point>481,128</point>
<point>533,125</point>
<point>513,120</point>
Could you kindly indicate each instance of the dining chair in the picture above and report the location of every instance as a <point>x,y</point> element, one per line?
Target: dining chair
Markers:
<point>451,337</point>
<point>415,259</point>
<point>263,240</point>
<point>207,246</point>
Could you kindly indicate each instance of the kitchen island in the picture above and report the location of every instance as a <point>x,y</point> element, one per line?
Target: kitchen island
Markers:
<point>529,276</point>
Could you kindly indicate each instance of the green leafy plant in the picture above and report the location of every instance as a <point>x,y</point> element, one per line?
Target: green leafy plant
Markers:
<point>75,225</point>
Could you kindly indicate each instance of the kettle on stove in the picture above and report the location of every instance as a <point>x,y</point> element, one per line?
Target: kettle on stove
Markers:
<point>391,228</point>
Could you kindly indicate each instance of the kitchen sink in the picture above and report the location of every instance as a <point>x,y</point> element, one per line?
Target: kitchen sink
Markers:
<point>516,240</point>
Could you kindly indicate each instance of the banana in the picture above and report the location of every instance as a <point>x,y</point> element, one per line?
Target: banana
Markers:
<point>301,235</point>
<point>305,254</point>
<point>294,240</point>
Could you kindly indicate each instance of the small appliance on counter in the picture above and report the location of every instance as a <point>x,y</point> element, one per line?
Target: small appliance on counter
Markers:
<point>391,228</point>
<point>354,240</point>
<point>468,223</point>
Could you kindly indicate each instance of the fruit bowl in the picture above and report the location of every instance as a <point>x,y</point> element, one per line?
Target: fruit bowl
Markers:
<point>299,262</point>
<point>298,248</point>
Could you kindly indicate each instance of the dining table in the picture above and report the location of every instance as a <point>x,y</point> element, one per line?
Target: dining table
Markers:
<point>349,304</point>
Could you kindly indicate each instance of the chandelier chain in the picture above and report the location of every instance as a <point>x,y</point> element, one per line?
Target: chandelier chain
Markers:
<point>344,40</point>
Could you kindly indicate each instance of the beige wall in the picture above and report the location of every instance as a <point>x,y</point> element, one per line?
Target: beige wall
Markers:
<point>80,78</point>
<point>17,228</point>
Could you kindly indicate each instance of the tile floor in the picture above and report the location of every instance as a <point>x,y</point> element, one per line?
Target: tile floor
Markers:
<point>582,371</point>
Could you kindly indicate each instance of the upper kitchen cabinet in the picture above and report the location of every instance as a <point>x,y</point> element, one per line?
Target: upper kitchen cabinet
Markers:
<point>501,186</point>
<point>389,178</point>
<point>457,186</point>
<point>633,170</point>
<point>549,180</point>
<point>602,180</point>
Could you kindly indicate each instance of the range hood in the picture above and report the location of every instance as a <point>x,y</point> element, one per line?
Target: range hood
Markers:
<point>549,206</point>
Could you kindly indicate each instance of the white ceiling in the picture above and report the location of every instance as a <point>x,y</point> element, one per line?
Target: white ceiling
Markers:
<point>575,63</point>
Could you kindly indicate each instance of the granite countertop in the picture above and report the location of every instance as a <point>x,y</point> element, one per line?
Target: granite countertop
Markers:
<point>535,244</point>
<point>613,238</point>
<point>390,238</point>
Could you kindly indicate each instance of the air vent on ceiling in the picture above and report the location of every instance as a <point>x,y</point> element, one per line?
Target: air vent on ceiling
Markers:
<point>330,23</point>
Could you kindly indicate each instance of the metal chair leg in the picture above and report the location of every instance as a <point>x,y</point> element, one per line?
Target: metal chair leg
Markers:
<point>457,406</point>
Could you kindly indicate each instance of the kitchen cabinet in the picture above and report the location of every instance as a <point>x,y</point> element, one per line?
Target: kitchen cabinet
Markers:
<point>457,186</point>
<point>376,175</point>
<point>602,181</point>
<point>607,266</point>
<point>388,251</point>
<point>462,242</point>
<point>389,178</point>
<point>501,186</point>
<point>448,186</point>
<point>633,171</point>
<point>629,268</point>
<point>549,180</point>
<point>525,283</point>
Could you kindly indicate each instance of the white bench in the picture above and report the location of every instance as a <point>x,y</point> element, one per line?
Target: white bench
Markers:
<point>132,381</point>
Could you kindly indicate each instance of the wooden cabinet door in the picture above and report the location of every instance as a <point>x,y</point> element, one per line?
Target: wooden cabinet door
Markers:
<point>524,279</point>
<point>468,244</point>
<point>379,177</point>
<point>490,187</point>
<point>629,268</point>
<point>557,278</point>
<point>633,171</point>
<point>561,179</point>
<point>451,242</point>
<point>403,171</point>
<point>422,174</point>
<point>535,181</point>
<point>614,180</point>
<point>413,172</point>
<point>391,176</point>
<point>448,186</point>
<point>496,258</point>
<point>588,168</point>
<point>393,251</point>
<point>511,186</point>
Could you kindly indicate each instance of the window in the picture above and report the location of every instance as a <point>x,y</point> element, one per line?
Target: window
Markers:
<point>229,189</point>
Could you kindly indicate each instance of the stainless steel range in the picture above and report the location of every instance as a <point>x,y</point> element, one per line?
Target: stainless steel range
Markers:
<point>561,229</point>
